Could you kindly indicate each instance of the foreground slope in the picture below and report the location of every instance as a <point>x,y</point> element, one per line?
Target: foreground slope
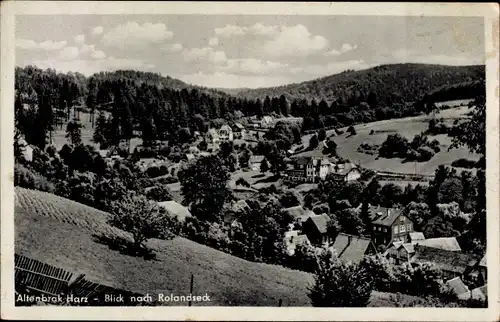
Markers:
<point>60,232</point>
<point>407,81</point>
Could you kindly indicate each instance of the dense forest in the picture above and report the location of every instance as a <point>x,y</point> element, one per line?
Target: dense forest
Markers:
<point>163,108</point>
<point>397,82</point>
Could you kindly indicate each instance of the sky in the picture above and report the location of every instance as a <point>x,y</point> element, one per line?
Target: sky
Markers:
<point>232,51</point>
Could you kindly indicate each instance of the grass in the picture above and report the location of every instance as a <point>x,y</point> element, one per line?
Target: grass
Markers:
<point>61,232</point>
<point>256,179</point>
<point>347,145</point>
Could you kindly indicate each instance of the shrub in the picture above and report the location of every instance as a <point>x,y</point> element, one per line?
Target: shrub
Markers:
<point>165,150</point>
<point>242,182</point>
<point>426,153</point>
<point>372,132</point>
<point>159,192</point>
<point>351,130</point>
<point>464,163</point>
<point>26,178</point>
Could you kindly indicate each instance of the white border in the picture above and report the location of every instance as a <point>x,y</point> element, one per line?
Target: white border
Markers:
<point>10,8</point>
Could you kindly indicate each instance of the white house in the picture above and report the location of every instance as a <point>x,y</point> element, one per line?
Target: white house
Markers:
<point>226,133</point>
<point>266,122</point>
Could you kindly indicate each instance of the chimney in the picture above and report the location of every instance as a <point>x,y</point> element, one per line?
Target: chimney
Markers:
<point>388,212</point>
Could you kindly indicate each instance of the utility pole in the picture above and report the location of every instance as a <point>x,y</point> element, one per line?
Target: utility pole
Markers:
<point>191,288</point>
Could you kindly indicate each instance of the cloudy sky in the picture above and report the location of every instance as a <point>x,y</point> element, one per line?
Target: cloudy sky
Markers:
<point>243,51</point>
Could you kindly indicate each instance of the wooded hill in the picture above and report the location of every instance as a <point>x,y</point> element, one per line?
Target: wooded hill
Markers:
<point>406,82</point>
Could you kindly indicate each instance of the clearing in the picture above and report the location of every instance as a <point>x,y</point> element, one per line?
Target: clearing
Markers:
<point>60,232</point>
<point>410,126</point>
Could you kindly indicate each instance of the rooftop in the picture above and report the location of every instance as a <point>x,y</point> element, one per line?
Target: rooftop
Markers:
<point>299,213</point>
<point>387,217</point>
<point>351,248</point>
<point>256,158</point>
<point>457,286</point>
<point>176,209</point>
<point>444,259</point>
<point>321,222</point>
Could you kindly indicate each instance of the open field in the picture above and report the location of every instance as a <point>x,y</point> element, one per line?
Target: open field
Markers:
<point>347,145</point>
<point>60,232</point>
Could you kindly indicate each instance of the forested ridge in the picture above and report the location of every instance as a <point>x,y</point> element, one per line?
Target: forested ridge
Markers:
<point>406,82</point>
<point>169,109</point>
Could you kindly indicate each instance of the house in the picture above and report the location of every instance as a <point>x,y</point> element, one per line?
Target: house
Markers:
<point>226,133</point>
<point>316,229</point>
<point>346,172</point>
<point>480,272</point>
<point>176,209</point>
<point>400,252</point>
<point>390,226</point>
<point>27,150</point>
<point>298,214</point>
<point>266,122</point>
<point>458,288</point>
<point>353,248</point>
<point>239,131</point>
<point>213,137</point>
<point>255,162</point>
<point>308,168</point>
<point>189,157</point>
<point>451,263</point>
<point>292,239</point>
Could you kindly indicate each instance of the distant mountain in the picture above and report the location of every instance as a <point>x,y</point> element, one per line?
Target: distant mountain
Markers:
<point>407,82</point>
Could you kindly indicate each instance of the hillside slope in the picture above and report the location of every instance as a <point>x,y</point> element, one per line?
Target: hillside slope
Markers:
<point>61,232</point>
<point>406,81</point>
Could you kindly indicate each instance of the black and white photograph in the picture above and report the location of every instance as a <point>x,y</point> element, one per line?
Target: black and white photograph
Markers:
<point>252,160</point>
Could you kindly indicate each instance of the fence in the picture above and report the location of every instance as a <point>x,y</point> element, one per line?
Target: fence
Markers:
<point>44,279</point>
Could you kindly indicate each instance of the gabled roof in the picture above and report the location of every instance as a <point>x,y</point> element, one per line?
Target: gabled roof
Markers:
<point>480,293</point>
<point>351,248</point>
<point>483,261</point>
<point>414,236</point>
<point>457,286</point>
<point>321,222</point>
<point>176,209</point>
<point>256,158</point>
<point>388,219</point>
<point>444,259</point>
<point>239,126</point>
<point>446,243</point>
<point>225,127</point>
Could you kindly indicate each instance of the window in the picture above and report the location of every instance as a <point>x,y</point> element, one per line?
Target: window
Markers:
<point>402,228</point>
<point>374,228</point>
<point>409,227</point>
<point>395,229</point>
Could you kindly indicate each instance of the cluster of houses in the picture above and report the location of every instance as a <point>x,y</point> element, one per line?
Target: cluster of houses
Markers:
<point>394,238</point>
<point>312,168</point>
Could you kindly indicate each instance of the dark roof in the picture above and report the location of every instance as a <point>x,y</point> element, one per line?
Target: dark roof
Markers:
<point>321,222</point>
<point>239,126</point>
<point>444,259</point>
<point>457,286</point>
<point>388,219</point>
<point>351,250</point>
<point>302,160</point>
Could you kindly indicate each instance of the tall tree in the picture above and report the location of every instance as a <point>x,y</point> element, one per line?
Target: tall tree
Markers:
<point>74,132</point>
<point>204,187</point>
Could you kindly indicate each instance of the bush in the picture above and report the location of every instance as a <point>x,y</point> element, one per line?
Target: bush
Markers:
<point>242,182</point>
<point>26,178</point>
<point>426,153</point>
<point>164,150</point>
<point>159,192</point>
<point>464,163</point>
<point>372,132</point>
<point>351,130</point>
